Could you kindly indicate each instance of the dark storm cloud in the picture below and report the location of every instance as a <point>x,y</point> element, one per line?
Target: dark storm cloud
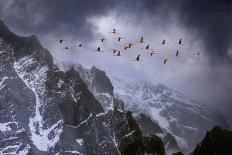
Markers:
<point>59,16</point>
<point>211,19</point>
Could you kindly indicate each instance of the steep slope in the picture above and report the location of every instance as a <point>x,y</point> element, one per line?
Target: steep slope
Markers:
<point>185,119</point>
<point>44,110</point>
<point>98,83</point>
<point>217,141</point>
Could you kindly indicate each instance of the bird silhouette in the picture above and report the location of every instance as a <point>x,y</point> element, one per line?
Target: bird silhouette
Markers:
<point>165,60</point>
<point>147,47</point>
<point>81,45</point>
<point>141,40</point>
<point>177,53</point>
<point>114,50</point>
<point>99,49</point>
<point>126,47</point>
<point>119,39</point>
<point>119,53</point>
<point>114,31</point>
<point>103,39</point>
<point>152,52</point>
<point>163,42</point>
<point>129,45</point>
<point>180,41</point>
<point>61,41</point>
<point>138,58</point>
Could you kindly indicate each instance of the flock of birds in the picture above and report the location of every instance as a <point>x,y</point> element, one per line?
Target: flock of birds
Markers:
<point>117,52</point>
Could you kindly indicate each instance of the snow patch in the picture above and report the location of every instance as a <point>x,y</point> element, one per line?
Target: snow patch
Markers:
<point>43,139</point>
<point>2,85</point>
<point>74,152</point>
<point>4,127</point>
<point>80,141</point>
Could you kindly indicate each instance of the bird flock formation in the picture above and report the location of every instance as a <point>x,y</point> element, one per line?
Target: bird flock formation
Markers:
<point>117,52</point>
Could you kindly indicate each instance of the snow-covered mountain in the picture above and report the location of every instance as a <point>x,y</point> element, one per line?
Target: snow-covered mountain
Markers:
<point>45,110</point>
<point>186,119</point>
<point>181,122</point>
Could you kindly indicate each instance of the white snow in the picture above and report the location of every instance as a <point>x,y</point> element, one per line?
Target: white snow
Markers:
<point>191,128</point>
<point>35,80</point>
<point>24,151</point>
<point>4,127</point>
<point>162,121</point>
<point>181,142</point>
<point>80,141</point>
<point>60,83</point>
<point>74,152</point>
<point>2,85</point>
<point>129,134</point>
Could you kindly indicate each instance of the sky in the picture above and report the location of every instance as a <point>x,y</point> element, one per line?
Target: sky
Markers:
<point>204,25</point>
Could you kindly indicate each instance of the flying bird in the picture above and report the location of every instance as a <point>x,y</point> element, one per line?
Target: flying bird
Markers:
<point>165,60</point>
<point>66,48</point>
<point>114,50</point>
<point>180,41</point>
<point>103,39</point>
<point>114,31</point>
<point>126,47</point>
<point>147,47</point>
<point>81,45</point>
<point>138,58</point>
<point>152,52</point>
<point>61,41</point>
<point>99,49</point>
<point>119,53</point>
<point>163,42</point>
<point>129,45</point>
<point>141,40</point>
<point>177,53</point>
<point>119,39</point>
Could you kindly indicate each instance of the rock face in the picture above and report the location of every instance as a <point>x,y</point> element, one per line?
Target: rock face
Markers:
<point>186,120</point>
<point>44,110</point>
<point>217,141</point>
<point>98,83</point>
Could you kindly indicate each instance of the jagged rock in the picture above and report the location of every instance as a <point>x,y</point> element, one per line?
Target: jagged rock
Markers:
<point>217,141</point>
<point>186,119</point>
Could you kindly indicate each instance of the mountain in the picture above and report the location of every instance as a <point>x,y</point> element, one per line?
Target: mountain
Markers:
<point>45,110</point>
<point>185,119</point>
<point>217,141</point>
<point>98,83</point>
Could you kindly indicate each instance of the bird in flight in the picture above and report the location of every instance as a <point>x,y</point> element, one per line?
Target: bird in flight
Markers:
<point>152,52</point>
<point>119,39</point>
<point>103,39</point>
<point>99,49</point>
<point>147,47</point>
<point>114,31</point>
<point>163,42</point>
<point>114,50</point>
<point>177,53</point>
<point>138,58</point>
<point>180,41</point>
<point>61,41</point>
<point>141,40</point>
<point>126,47</point>
<point>81,45</point>
<point>129,45</point>
<point>119,53</point>
<point>165,60</point>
